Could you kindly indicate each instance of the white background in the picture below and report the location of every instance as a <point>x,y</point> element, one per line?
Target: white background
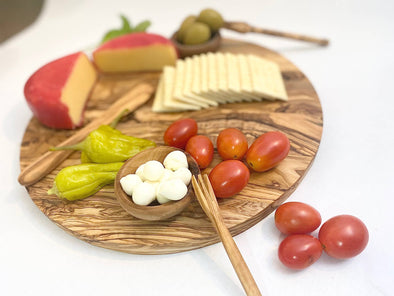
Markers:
<point>352,173</point>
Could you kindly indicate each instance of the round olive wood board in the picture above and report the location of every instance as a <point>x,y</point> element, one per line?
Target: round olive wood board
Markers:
<point>101,221</point>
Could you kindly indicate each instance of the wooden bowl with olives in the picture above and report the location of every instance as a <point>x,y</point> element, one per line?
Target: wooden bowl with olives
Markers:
<point>153,211</point>
<point>199,34</point>
<point>211,45</point>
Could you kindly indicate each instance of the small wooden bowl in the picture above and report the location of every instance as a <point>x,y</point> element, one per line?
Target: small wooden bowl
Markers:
<point>211,45</point>
<point>155,211</point>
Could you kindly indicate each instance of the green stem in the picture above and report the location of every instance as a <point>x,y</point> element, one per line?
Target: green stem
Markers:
<point>53,190</point>
<point>78,146</point>
<point>115,122</point>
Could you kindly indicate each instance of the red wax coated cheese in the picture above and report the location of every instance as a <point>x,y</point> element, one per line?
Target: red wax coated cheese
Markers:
<point>57,92</point>
<point>135,52</point>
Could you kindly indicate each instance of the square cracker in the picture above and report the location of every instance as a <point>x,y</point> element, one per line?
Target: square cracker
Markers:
<point>158,101</point>
<point>169,100</point>
<point>208,80</point>
<point>267,80</point>
<point>191,81</point>
<point>223,79</point>
<point>179,81</point>
<point>216,82</point>
<point>245,77</point>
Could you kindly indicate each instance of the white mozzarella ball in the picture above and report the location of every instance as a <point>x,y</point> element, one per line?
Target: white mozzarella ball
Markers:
<point>167,175</point>
<point>184,174</point>
<point>144,194</point>
<point>153,170</point>
<point>155,184</point>
<point>140,172</point>
<point>162,200</point>
<point>173,189</point>
<point>128,183</point>
<point>175,160</point>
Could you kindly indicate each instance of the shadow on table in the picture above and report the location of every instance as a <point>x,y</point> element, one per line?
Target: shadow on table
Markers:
<point>16,15</point>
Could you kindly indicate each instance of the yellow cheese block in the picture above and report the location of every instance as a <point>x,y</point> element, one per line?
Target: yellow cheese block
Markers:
<point>135,52</point>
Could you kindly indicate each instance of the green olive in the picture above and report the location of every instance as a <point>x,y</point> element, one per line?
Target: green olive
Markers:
<point>185,24</point>
<point>196,33</point>
<point>212,18</point>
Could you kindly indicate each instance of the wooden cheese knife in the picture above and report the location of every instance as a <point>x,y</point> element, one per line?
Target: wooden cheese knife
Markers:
<point>242,27</point>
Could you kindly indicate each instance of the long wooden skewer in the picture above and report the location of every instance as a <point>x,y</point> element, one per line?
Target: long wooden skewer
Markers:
<point>207,199</point>
<point>242,27</point>
<point>50,160</point>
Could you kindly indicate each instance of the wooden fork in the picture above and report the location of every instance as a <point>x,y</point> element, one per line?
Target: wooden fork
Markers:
<point>207,199</point>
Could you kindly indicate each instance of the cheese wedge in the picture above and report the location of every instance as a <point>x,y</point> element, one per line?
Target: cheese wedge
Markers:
<point>57,92</point>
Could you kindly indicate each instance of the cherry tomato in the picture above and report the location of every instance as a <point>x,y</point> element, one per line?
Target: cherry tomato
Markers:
<point>267,151</point>
<point>232,144</point>
<point>179,132</point>
<point>201,148</point>
<point>298,251</point>
<point>229,177</point>
<point>297,218</point>
<point>343,236</point>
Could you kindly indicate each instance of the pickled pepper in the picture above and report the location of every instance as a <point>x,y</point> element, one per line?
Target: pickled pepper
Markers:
<point>107,144</point>
<point>83,180</point>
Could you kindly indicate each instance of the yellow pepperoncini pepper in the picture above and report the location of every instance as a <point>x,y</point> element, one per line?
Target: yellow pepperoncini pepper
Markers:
<point>107,144</point>
<point>83,180</point>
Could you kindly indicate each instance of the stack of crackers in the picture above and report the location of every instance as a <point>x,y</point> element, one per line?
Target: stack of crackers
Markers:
<point>211,79</point>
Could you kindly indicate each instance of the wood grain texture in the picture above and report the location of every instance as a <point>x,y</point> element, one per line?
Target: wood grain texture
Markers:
<point>101,221</point>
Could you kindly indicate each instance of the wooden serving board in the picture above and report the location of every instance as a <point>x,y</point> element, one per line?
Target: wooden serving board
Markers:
<point>101,221</point>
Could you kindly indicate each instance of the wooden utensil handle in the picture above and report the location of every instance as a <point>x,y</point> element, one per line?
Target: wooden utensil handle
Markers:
<point>242,27</point>
<point>50,160</point>
<point>238,262</point>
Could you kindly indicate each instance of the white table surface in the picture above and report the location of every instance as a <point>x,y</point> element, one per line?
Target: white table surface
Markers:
<point>352,173</point>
